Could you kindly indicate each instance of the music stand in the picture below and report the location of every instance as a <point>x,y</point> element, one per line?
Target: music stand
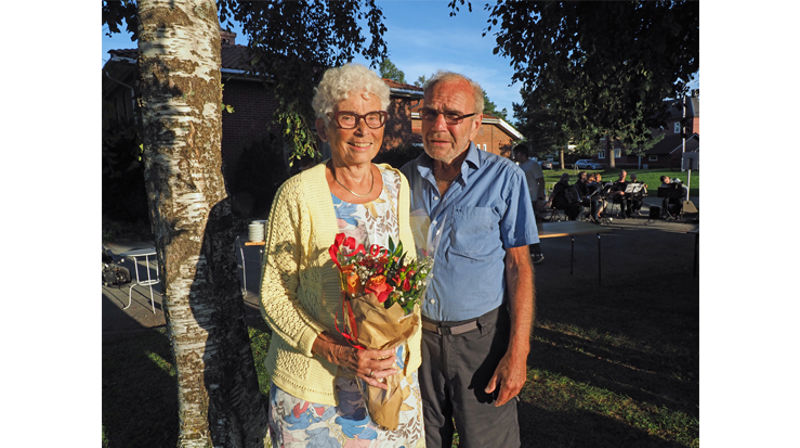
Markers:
<point>633,188</point>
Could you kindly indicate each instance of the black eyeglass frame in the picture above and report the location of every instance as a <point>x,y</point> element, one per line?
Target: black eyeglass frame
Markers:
<point>454,118</point>
<point>382,113</point>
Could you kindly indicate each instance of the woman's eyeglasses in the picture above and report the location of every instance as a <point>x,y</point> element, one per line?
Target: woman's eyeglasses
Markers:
<point>349,120</point>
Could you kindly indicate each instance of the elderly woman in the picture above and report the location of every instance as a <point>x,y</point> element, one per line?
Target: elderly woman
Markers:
<point>314,396</point>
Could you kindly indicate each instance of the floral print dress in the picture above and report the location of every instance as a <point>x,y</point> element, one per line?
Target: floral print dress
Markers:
<point>294,422</point>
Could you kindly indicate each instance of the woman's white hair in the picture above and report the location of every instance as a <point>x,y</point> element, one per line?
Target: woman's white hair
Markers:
<point>338,82</point>
<point>441,76</point>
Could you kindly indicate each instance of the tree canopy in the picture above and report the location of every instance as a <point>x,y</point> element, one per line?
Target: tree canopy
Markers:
<point>390,71</point>
<point>491,109</point>
<point>596,69</point>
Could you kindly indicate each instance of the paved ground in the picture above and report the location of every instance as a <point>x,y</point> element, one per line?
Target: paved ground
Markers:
<point>626,251</point>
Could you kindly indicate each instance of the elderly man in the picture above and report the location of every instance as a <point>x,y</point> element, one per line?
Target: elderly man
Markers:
<point>479,309</point>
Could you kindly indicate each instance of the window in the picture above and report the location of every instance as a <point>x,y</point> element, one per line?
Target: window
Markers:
<point>601,155</point>
<point>676,128</point>
<point>617,153</point>
<point>652,158</point>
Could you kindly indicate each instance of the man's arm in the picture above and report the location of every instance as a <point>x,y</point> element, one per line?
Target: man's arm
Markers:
<point>512,371</point>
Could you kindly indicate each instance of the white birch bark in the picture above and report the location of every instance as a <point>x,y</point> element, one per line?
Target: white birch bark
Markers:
<point>179,61</point>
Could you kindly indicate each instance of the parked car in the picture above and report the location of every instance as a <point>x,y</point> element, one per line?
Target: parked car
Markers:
<point>587,164</point>
<point>546,164</point>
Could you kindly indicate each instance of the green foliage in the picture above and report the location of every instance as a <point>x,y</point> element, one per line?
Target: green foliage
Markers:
<point>390,71</point>
<point>117,11</point>
<point>593,70</point>
<point>259,344</point>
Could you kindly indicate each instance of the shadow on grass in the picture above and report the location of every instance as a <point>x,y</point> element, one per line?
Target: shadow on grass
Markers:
<point>140,406</point>
<point>642,376</point>
<point>579,429</point>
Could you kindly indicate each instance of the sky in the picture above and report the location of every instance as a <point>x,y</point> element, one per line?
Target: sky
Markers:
<point>421,39</point>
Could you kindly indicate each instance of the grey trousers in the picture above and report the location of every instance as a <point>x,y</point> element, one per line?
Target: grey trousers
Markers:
<point>454,372</point>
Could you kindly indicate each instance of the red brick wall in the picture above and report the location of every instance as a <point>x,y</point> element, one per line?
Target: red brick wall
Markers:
<point>496,141</point>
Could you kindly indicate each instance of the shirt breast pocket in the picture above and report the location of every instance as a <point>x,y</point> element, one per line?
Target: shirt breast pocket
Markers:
<point>475,232</point>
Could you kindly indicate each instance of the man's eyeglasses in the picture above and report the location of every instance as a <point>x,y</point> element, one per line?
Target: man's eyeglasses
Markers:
<point>349,120</point>
<point>449,117</point>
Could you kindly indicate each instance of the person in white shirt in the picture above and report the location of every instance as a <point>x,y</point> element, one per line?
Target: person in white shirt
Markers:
<point>535,178</point>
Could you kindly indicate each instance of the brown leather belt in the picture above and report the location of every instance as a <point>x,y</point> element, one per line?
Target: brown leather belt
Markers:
<point>452,330</point>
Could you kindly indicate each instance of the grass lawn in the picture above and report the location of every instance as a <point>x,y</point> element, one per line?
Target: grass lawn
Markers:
<point>650,177</point>
<point>611,366</point>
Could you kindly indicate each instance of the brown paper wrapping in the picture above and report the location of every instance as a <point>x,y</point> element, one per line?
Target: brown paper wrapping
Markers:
<point>380,328</point>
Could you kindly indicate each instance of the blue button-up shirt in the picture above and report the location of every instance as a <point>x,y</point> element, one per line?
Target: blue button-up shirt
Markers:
<point>486,210</point>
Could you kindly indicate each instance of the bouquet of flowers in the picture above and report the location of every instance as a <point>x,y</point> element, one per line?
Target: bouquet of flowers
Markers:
<point>381,288</point>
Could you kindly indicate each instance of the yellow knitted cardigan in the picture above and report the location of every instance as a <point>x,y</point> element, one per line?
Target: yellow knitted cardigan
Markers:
<point>300,291</point>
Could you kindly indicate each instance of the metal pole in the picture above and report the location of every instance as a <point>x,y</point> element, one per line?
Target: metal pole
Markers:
<point>599,262</point>
<point>571,252</point>
<point>683,132</point>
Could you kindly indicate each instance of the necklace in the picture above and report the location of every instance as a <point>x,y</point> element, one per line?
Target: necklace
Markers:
<point>371,184</point>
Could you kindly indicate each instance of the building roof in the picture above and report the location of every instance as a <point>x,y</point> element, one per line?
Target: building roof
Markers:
<point>673,143</point>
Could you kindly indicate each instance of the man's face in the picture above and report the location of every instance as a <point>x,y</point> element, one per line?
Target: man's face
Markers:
<point>623,174</point>
<point>582,177</point>
<point>666,180</point>
<point>442,141</point>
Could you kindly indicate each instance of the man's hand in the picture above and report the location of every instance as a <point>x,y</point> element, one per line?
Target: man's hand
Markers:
<point>510,375</point>
<point>512,371</point>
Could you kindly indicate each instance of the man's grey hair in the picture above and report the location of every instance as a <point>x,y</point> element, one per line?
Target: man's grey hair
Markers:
<point>440,76</point>
<point>338,82</point>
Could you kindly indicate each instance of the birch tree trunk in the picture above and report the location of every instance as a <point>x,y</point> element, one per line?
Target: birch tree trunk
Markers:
<point>219,403</point>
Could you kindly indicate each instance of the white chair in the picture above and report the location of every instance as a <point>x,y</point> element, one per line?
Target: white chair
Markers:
<point>146,254</point>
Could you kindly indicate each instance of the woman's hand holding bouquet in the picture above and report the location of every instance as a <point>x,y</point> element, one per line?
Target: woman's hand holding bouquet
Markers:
<point>381,291</point>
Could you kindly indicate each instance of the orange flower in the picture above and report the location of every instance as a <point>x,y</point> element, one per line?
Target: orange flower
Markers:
<point>351,282</point>
<point>378,286</point>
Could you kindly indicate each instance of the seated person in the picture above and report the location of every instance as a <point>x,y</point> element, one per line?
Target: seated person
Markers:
<point>673,193</point>
<point>637,199</point>
<point>594,197</point>
<point>618,196</point>
<point>561,199</point>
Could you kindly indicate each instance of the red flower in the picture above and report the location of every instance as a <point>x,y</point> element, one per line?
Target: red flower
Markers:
<point>378,286</point>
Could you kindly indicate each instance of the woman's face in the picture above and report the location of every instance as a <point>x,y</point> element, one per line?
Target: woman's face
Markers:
<point>358,145</point>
